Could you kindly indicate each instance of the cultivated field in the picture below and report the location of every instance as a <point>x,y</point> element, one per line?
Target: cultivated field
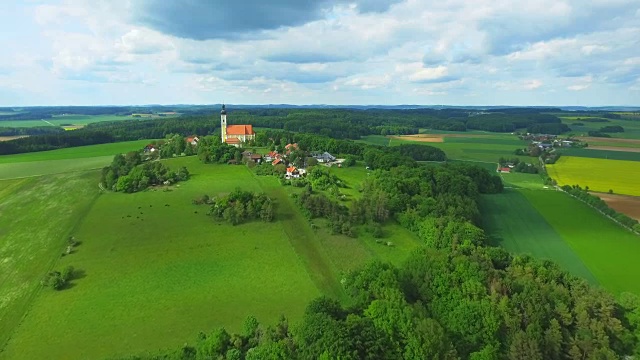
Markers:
<point>596,153</point>
<point>76,120</point>
<point>608,250</point>
<point>470,146</point>
<point>628,205</point>
<point>513,223</point>
<point>598,174</point>
<point>7,138</point>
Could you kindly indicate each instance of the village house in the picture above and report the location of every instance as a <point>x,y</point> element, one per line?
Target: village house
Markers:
<point>249,156</point>
<point>272,155</point>
<point>291,147</point>
<point>150,148</point>
<point>193,140</point>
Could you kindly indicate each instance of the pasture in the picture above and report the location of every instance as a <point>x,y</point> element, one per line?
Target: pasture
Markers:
<point>598,174</point>
<point>38,214</point>
<point>156,269</point>
<point>77,152</point>
<point>608,250</point>
<point>63,160</point>
<point>512,222</point>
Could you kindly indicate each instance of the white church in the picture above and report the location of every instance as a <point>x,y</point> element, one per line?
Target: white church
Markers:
<point>235,135</point>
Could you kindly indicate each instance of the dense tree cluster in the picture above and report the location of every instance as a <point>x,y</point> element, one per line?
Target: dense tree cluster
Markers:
<point>612,129</point>
<point>242,206</point>
<point>211,150</point>
<point>36,130</point>
<point>128,173</point>
<point>318,205</point>
<point>596,202</point>
<point>594,133</point>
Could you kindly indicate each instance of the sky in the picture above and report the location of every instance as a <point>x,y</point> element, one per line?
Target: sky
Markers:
<point>447,52</point>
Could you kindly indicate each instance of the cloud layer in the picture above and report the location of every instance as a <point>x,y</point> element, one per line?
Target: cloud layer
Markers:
<point>326,51</point>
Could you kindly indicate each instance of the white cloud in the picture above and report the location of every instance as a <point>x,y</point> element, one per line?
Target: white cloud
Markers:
<point>432,73</point>
<point>532,84</point>
<point>452,49</point>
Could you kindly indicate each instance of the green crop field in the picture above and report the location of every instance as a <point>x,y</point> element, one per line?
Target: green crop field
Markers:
<point>513,223</point>
<point>598,174</point>
<point>601,154</point>
<point>523,181</point>
<point>156,270</point>
<point>608,250</point>
<point>375,140</point>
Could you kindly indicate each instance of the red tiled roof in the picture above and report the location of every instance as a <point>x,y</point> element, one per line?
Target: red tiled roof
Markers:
<point>295,146</point>
<point>233,141</point>
<point>505,169</point>
<point>276,162</point>
<point>240,130</point>
<point>291,169</point>
<point>191,138</point>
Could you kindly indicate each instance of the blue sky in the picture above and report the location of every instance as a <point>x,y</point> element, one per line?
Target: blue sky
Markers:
<point>455,52</point>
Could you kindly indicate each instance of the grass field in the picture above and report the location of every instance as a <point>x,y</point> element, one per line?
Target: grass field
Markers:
<point>63,160</point>
<point>513,223</point>
<point>598,174</point>
<point>153,280</point>
<point>155,272</point>
<point>523,181</point>
<point>37,216</point>
<point>608,250</point>
<point>76,152</point>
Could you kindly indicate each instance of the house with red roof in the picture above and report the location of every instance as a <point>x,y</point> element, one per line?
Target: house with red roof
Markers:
<point>193,140</point>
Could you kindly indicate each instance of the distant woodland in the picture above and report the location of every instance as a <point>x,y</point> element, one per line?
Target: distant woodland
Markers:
<point>334,123</point>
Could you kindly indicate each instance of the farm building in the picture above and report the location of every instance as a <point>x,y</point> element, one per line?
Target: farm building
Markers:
<point>324,157</point>
<point>291,147</point>
<point>234,135</point>
<point>505,169</point>
<point>151,148</point>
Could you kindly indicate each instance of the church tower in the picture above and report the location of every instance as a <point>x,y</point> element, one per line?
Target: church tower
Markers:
<point>223,124</point>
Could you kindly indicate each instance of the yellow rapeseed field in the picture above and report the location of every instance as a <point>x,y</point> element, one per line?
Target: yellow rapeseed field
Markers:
<point>602,175</point>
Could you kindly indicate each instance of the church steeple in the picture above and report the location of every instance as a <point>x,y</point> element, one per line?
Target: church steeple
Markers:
<point>223,124</point>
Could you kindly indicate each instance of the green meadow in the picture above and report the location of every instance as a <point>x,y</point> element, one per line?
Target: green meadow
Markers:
<point>154,269</point>
<point>37,216</point>
<point>75,120</point>
<point>63,160</point>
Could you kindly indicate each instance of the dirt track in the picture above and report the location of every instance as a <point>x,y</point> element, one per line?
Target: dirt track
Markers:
<point>628,205</point>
